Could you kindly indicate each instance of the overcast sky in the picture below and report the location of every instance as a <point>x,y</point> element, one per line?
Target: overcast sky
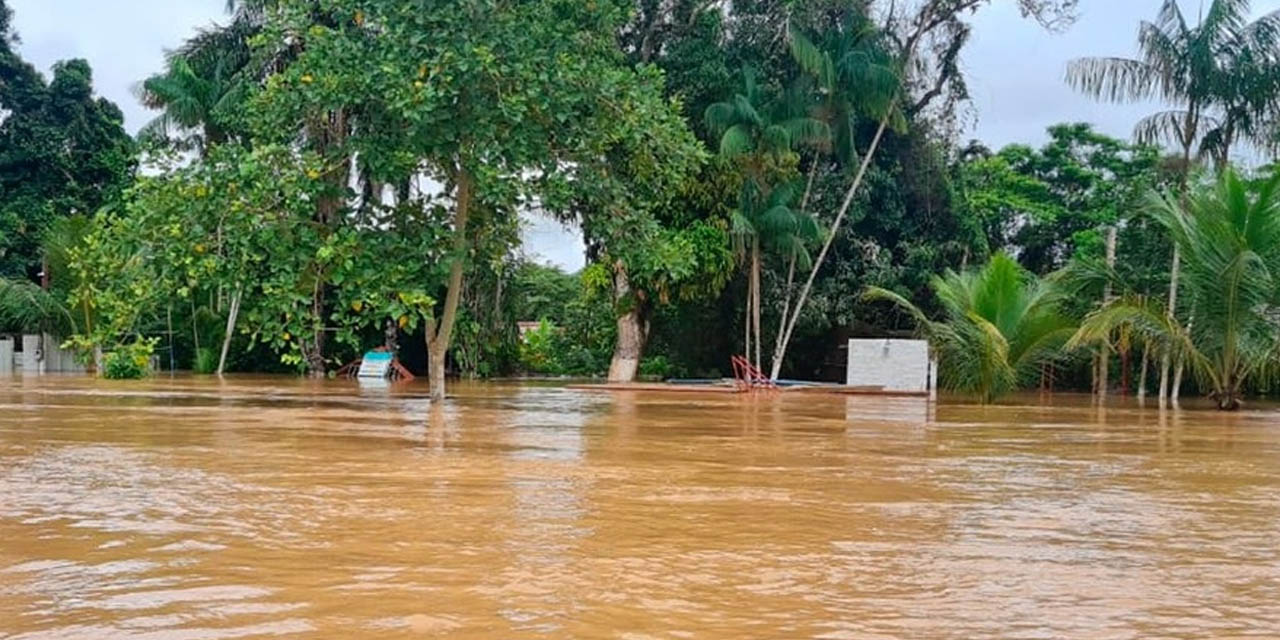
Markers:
<point>1014,68</point>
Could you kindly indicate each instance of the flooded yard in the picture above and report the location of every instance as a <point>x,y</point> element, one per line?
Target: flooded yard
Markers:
<point>269,507</point>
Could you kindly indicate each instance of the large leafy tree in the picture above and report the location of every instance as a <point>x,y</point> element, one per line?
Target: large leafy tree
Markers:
<point>62,151</point>
<point>493,108</point>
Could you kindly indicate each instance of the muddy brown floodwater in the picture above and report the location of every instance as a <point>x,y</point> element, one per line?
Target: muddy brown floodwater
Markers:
<point>274,508</point>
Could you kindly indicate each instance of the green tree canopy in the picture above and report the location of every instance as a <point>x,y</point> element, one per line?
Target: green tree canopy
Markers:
<point>62,151</point>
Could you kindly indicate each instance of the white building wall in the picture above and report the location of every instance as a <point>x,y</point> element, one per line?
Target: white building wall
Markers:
<point>894,365</point>
<point>6,356</point>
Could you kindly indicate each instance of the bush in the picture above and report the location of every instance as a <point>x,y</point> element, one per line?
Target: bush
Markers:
<point>206,361</point>
<point>658,367</point>
<point>537,350</point>
<point>128,361</point>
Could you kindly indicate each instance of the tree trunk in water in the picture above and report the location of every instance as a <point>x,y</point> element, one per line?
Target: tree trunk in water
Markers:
<point>1175,388</point>
<point>633,330</point>
<point>231,328</point>
<point>1103,372</point>
<point>1142,372</point>
<point>755,300</point>
<point>391,336</point>
<point>441,335</point>
<point>826,245</point>
<point>776,364</point>
<point>1125,367</point>
<point>746,322</point>
<point>1165,359</point>
<point>1228,400</point>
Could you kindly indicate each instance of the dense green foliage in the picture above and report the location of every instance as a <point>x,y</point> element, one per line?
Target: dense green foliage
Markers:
<point>1002,326</point>
<point>1229,236</point>
<point>328,176</point>
<point>62,151</point>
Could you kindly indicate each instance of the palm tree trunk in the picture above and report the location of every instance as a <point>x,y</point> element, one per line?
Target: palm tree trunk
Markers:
<point>1165,359</point>
<point>1102,374</point>
<point>746,322</point>
<point>826,245</point>
<point>782,323</point>
<point>1125,371</point>
<point>776,364</point>
<point>755,300</point>
<point>231,328</point>
<point>1142,371</point>
<point>1179,366</point>
<point>441,334</point>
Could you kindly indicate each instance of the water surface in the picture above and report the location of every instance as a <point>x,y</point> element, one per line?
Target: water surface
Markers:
<point>272,508</point>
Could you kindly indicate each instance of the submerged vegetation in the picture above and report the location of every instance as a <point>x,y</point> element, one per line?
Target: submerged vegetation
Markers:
<point>322,178</point>
<point>1001,327</point>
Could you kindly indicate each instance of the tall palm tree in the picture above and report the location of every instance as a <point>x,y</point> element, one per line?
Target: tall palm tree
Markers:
<point>1001,324</point>
<point>1229,237</point>
<point>1191,69</point>
<point>204,82</point>
<point>856,77</point>
<point>762,133</point>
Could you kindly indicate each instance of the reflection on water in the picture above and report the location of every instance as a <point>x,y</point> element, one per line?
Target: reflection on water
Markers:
<point>253,508</point>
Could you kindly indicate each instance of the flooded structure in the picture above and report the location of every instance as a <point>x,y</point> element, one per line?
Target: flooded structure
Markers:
<point>273,507</point>
<point>36,354</point>
<point>895,366</point>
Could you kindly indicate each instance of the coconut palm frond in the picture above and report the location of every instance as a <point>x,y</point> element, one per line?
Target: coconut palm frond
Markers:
<point>1112,79</point>
<point>736,141</point>
<point>25,307</point>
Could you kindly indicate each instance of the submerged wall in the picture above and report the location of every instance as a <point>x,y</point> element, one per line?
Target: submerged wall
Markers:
<point>40,354</point>
<point>895,365</point>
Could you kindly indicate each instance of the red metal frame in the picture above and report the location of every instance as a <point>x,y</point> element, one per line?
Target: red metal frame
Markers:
<point>746,377</point>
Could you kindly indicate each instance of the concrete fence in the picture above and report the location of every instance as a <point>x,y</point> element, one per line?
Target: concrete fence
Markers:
<point>40,354</point>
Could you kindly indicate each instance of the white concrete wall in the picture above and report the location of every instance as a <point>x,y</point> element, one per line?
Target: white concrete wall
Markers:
<point>43,354</point>
<point>895,365</point>
<point>32,355</point>
<point>58,359</point>
<point>6,356</point>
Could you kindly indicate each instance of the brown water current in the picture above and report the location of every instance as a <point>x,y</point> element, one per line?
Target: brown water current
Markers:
<point>274,508</point>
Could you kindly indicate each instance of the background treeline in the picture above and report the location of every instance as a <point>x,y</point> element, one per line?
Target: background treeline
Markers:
<point>326,176</point>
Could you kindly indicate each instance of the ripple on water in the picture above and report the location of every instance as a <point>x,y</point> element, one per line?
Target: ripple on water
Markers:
<point>318,510</point>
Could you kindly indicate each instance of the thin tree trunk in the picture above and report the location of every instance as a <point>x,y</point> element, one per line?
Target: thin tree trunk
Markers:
<point>826,245</point>
<point>1188,139</point>
<point>1165,360</point>
<point>391,336</point>
<point>1142,372</point>
<point>1176,390</point>
<point>168,316</point>
<point>633,332</point>
<point>746,321</point>
<point>231,328</point>
<point>776,363</point>
<point>440,336</point>
<point>1103,372</point>
<point>755,300</point>
<point>195,330</point>
<point>1125,370</point>
<point>782,323</point>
